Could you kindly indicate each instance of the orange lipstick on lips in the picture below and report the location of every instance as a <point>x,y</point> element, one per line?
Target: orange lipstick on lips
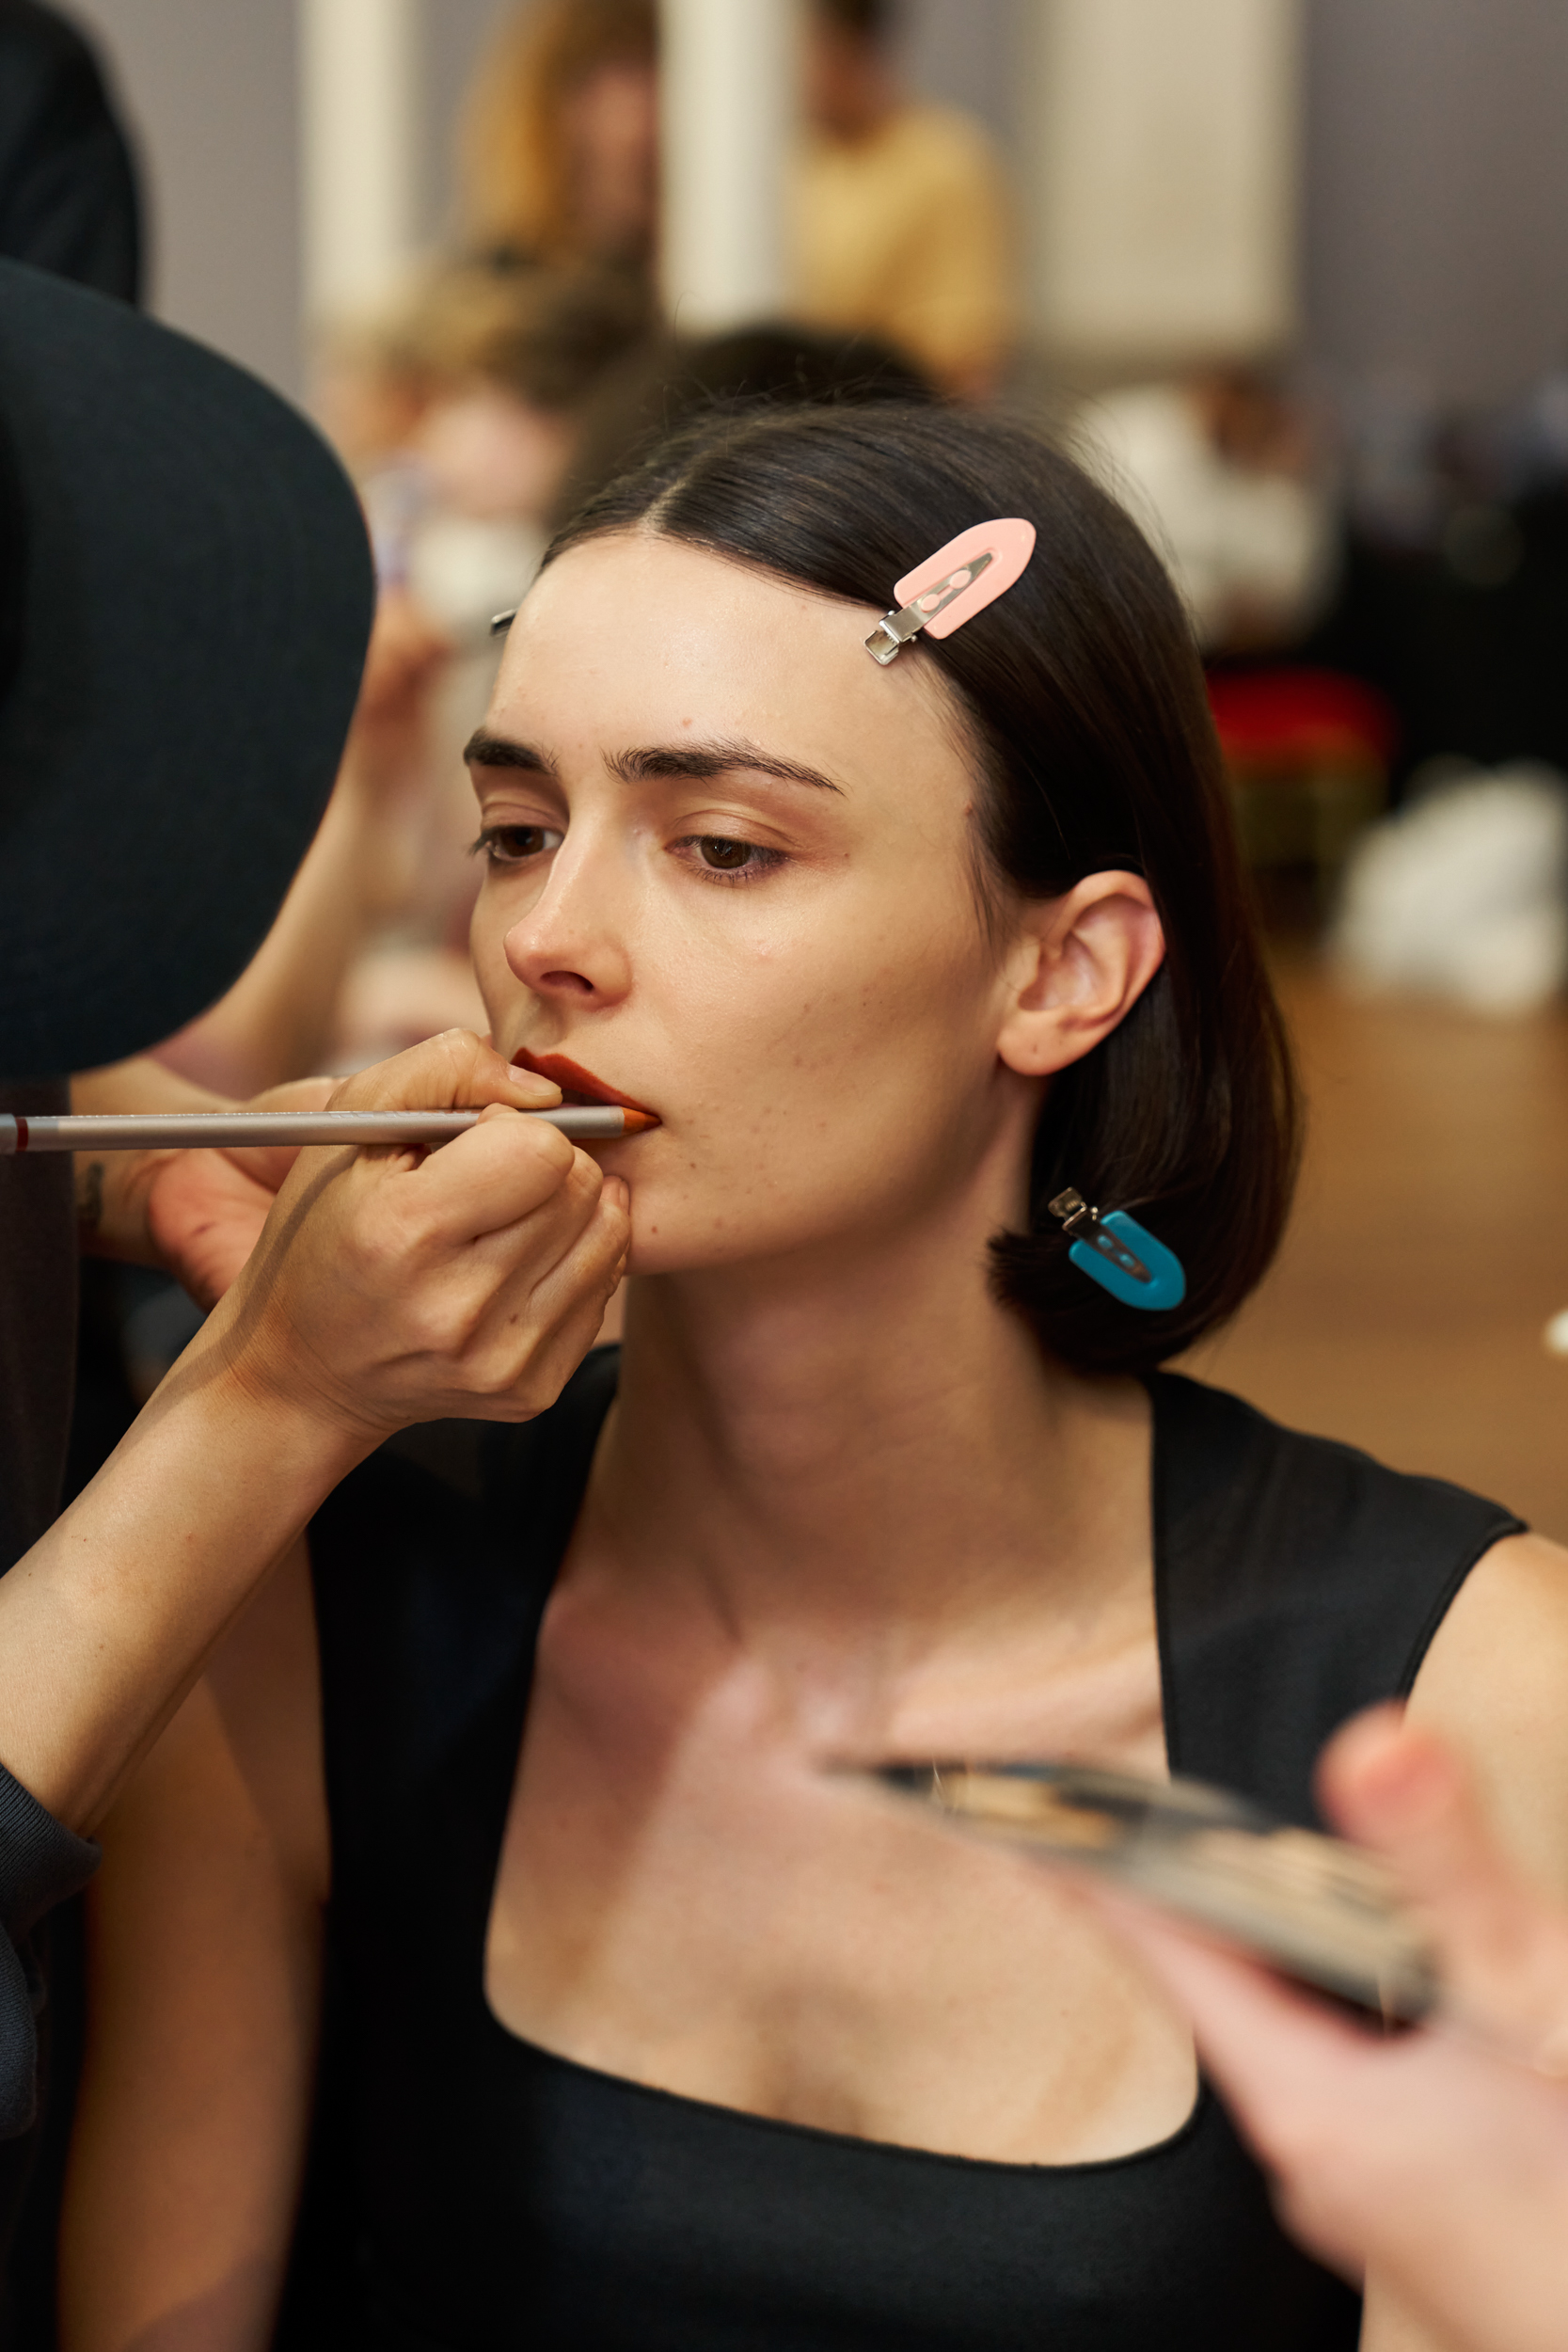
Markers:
<point>580,1086</point>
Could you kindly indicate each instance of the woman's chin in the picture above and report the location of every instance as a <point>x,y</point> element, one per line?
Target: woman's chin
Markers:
<point>657,1247</point>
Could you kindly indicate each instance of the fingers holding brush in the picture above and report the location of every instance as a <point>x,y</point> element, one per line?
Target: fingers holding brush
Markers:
<point>542,1324</point>
<point>534,1239</point>
<point>456,1071</point>
<point>391,1286</point>
<point>205,1208</point>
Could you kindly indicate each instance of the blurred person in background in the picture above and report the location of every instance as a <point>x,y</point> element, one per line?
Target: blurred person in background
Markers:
<point>671,380</point>
<point>68,185</point>
<point>514,361</point>
<point>901,218</point>
<point>900,221</point>
<point>559,154</point>
<point>461,399</point>
<point>1219,468</point>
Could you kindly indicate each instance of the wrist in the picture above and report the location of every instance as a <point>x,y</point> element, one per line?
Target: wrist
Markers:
<point>111,1190</point>
<point>260,1394</point>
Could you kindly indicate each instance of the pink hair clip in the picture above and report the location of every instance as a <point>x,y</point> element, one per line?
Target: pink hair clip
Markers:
<point>951,586</point>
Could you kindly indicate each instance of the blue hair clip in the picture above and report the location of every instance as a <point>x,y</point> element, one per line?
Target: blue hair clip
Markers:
<point>1116,1251</point>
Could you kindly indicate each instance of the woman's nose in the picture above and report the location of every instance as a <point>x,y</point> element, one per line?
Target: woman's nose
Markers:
<point>568,944</point>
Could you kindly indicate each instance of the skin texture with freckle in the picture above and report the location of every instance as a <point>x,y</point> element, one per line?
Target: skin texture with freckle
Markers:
<point>801,1058</point>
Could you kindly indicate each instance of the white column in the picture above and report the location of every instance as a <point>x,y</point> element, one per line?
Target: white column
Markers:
<point>728,77</point>
<point>1165,161</point>
<point>360,146</point>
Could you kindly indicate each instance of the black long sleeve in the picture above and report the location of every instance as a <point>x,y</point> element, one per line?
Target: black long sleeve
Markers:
<point>40,1863</point>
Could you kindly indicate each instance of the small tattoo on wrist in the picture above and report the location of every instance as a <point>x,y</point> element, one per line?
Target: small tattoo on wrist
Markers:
<point>90,1197</point>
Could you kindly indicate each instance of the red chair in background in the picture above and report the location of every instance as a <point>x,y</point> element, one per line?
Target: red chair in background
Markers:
<point>1308,752</point>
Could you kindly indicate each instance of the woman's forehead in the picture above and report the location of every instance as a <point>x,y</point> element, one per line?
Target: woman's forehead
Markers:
<point>655,593</point>
<point>632,626</point>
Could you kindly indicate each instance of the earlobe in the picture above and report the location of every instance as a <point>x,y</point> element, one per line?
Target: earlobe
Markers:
<point>1081,962</point>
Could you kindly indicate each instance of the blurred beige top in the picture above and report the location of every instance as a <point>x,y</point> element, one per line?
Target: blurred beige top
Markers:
<point>908,234</point>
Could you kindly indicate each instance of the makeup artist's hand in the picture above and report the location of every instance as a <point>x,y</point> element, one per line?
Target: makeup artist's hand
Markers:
<point>205,1210</point>
<point>194,1214</point>
<point>390,1287</point>
<point>1429,2158</point>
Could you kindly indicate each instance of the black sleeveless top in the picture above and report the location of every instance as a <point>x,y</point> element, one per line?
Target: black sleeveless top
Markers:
<point>468,2189</point>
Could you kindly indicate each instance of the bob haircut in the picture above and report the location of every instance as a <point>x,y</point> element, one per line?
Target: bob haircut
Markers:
<point>1082,693</point>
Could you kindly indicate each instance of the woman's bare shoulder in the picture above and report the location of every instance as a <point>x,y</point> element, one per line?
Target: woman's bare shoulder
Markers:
<point>1495,1681</point>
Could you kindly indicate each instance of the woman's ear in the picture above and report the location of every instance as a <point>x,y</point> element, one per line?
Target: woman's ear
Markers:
<point>1077,967</point>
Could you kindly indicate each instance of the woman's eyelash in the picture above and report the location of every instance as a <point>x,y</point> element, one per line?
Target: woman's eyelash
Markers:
<point>493,842</point>
<point>722,858</point>
<point>750,866</point>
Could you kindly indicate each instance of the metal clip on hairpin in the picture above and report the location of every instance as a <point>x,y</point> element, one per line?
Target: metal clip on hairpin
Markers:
<point>951,586</point>
<point>893,634</point>
<point>1120,1254</point>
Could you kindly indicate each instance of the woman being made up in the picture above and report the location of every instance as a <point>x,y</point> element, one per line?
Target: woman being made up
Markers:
<point>676,2036</point>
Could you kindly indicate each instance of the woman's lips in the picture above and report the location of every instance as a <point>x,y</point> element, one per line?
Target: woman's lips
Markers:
<point>577,1083</point>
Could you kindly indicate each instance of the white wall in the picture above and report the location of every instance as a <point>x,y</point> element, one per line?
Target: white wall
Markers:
<point>209,91</point>
<point>1164,192</point>
<point>361,102</point>
<point>1436,234</point>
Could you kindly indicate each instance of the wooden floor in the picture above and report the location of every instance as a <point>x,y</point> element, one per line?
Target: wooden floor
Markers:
<point>1430,1246</point>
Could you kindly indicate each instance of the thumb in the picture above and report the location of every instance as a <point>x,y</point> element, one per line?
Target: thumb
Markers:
<point>456,1071</point>
<point>1502,1947</point>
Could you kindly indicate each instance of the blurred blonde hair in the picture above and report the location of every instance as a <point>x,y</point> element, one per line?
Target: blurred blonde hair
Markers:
<point>512,164</point>
<point>543,334</point>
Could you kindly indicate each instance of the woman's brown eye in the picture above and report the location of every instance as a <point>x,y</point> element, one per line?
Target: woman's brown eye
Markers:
<point>509,845</point>
<point>726,854</point>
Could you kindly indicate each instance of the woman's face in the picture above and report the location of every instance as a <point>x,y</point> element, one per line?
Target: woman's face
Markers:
<point>729,876</point>
<point>611,125</point>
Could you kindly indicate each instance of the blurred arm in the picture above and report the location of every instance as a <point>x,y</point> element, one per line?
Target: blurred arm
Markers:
<point>204,1960</point>
<point>1437,2162</point>
<point>277,1019</point>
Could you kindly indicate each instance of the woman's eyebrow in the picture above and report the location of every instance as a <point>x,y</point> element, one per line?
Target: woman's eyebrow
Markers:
<point>714,759</point>
<point>654,762</point>
<point>485,749</point>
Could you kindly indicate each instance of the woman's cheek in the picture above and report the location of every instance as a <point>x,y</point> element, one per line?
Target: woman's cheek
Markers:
<point>499,989</point>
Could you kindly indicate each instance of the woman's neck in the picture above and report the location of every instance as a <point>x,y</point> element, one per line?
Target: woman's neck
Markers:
<point>866,1447</point>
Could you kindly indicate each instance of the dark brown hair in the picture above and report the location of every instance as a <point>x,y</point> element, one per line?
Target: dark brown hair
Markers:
<point>672,381</point>
<point>548,335</point>
<point>866,20</point>
<point>1084,699</point>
